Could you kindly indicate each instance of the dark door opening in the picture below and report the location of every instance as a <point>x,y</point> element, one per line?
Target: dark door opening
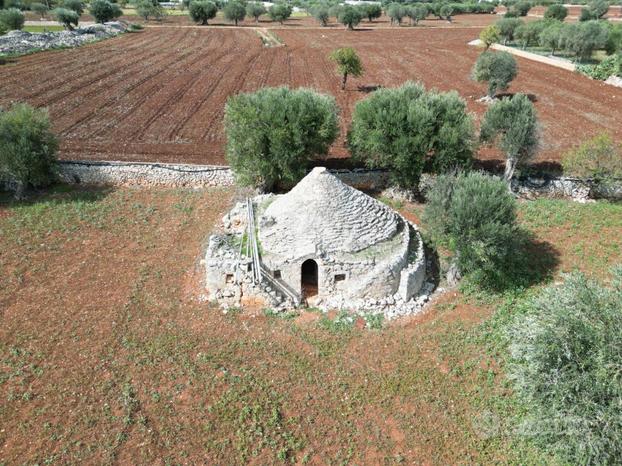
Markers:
<point>309,278</point>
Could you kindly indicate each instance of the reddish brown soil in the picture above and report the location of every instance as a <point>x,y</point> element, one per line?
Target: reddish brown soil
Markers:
<point>159,95</point>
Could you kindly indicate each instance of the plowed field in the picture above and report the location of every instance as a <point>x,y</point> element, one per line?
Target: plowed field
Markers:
<point>159,95</point>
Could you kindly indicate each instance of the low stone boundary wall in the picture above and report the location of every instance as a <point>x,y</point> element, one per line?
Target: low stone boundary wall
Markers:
<point>144,174</point>
<point>187,175</point>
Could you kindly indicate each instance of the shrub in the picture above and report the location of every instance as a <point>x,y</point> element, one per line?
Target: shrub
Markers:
<point>498,69</point>
<point>474,215</point>
<point>565,367</point>
<point>255,10</point>
<point>75,5</point>
<point>202,11</point>
<point>349,16</point>
<point>280,12</point>
<point>522,8</point>
<point>614,39</point>
<point>68,18</point>
<point>104,11</point>
<point>39,8</point>
<point>556,11</point>
<point>234,11</point>
<point>13,19</point>
<point>513,124</point>
<point>407,129</point>
<point>489,35</point>
<point>507,27</point>
<point>27,147</point>
<point>272,134</point>
<point>348,63</point>
<point>321,14</point>
<point>371,11</point>
<point>599,158</point>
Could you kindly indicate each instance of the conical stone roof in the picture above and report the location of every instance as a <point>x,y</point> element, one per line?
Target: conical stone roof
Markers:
<point>321,214</point>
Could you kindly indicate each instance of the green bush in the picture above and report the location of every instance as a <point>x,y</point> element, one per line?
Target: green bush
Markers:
<point>498,69</point>
<point>68,18</point>
<point>273,134</point>
<point>599,158</point>
<point>27,147</point>
<point>104,11</point>
<point>556,11</point>
<point>13,19</point>
<point>234,11</point>
<point>408,129</point>
<point>565,367</point>
<point>474,215</point>
<point>513,124</point>
<point>202,11</point>
<point>255,10</point>
<point>610,66</point>
<point>280,12</point>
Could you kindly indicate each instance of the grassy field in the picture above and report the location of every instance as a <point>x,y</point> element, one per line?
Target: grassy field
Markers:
<point>109,354</point>
<point>43,28</point>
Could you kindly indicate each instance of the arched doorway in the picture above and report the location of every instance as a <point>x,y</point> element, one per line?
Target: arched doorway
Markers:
<point>309,278</point>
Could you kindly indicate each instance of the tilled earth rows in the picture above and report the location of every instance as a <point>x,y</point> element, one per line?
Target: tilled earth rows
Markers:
<point>159,95</point>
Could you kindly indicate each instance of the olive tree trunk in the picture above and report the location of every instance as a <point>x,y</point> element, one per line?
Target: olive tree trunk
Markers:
<point>343,80</point>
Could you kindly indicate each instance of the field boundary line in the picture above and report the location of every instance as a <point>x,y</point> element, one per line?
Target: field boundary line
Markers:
<point>557,62</point>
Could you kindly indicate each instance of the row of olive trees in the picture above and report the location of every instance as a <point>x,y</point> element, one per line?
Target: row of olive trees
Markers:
<point>405,130</point>
<point>577,39</point>
<point>201,11</point>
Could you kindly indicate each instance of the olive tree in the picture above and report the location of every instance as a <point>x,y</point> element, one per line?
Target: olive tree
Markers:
<point>489,35</point>
<point>446,11</point>
<point>103,10</point>
<point>75,5</point>
<point>202,11</point>
<point>583,38</point>
<point>39,8</point>
<point>280,12</point>
<point>595,9</point>
<point>234,11</point>
<point>273,134</point>
<point>321,14</point>
<point>513,124</point>
<point>255,10</point>
<point>498,69</point>
<point>27,147</point>
<point>396,12</point>
<point>474,216</point>
<point>348,63</point>
<point>528,34</point>
<point>417,13</point>
<point>349,16</point>
<point>12,19</point>
<point>68,18</point>
<point>371,11</point>
<point>507,27</point>
<point>407,129</point>
<point>551,37</point>
<point>150,8</point>
<point>556,11</point>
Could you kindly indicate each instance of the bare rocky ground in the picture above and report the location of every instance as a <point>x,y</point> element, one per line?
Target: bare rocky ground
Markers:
<point>19,42</point>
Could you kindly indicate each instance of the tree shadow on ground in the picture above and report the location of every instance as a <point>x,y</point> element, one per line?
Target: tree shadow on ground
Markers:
<point>507,95</point>
<point>56,194</point>
<point>531,262</point>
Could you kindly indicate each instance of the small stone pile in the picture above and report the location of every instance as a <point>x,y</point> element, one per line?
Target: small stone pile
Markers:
<point>18,42</point>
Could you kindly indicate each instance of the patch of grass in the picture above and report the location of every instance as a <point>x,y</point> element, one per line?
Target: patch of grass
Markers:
<point>43,28</point>
<point>343,322</point>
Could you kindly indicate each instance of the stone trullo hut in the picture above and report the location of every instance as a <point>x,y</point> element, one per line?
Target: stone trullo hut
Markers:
<point>324,244</point>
